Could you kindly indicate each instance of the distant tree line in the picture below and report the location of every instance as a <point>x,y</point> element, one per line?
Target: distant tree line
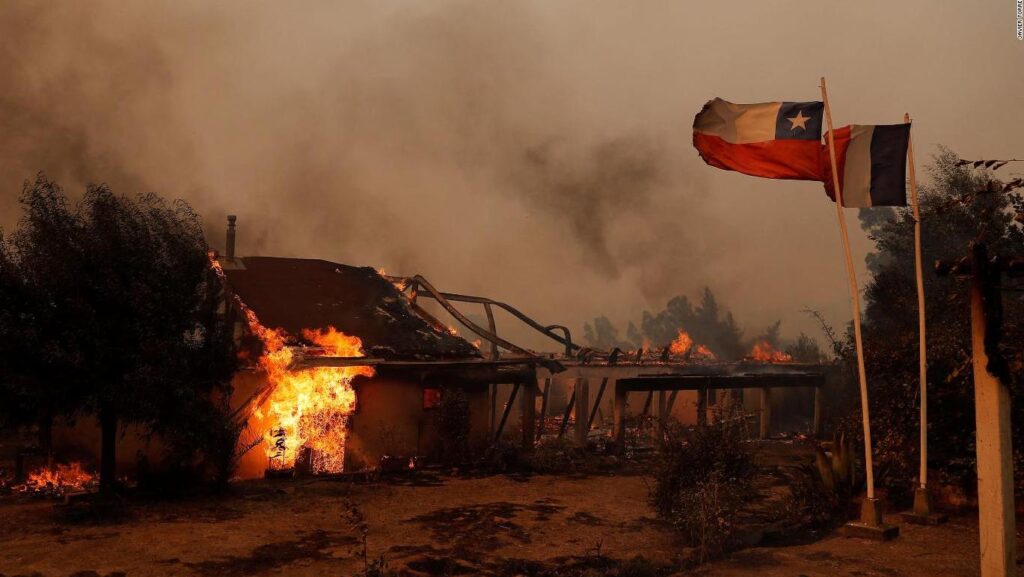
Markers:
<point>108,310</point>
<point>706,322</point>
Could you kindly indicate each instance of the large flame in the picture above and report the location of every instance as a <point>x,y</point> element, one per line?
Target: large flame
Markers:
<point>309,408</point>
<point>764,351</point>
<point>684,344</point>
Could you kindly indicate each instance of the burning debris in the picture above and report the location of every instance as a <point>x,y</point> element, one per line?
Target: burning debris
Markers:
<point>58,480</point>
<point>685,347</point>
<point>764,352</point>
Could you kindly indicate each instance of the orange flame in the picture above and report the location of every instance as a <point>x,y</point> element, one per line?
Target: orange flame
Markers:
<point>703,352</point>
<point>764,352</point>
<point>61,479</point>
<point>308,408</point>
<point>682,344</point>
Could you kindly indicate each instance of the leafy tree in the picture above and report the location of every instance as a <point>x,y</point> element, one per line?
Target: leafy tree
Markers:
<point>633,336</point>
<point>959,206</point>
<point>806,350</point>
<point>772,334</point>
<point>603,335</point>
<point>118,317</point>
<point>706,323</point>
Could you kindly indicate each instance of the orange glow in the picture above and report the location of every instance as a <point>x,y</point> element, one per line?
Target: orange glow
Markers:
<point>61,479</point>
<point>764,352</point>
<point>702,352</point>
<point>476,343</point>
<point>307,408</point>
<point>682,344</point>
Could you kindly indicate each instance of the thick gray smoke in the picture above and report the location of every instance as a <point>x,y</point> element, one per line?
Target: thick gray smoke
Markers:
<point>534,152</point>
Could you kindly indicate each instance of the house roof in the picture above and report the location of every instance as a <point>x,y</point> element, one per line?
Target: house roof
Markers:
<point>296,293</point>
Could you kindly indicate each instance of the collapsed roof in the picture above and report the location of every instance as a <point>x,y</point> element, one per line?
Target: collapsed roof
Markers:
<point>295,294</point>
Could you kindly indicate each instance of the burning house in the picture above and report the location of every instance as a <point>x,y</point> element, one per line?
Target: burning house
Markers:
<point>343,369</point>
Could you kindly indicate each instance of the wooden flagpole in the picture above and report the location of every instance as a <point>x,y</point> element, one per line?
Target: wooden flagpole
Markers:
<point>922,344</point>
<point>922,512</point>
<point>855,301</point>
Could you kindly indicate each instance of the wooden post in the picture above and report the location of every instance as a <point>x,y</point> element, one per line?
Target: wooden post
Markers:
<point>504,415</point>
<point>658,431</point>
<point>922,340</point>
<point>493,390</point>
<point>702,406</point>
<point>766,412</point>
<point>647,403</point>
<point>529,414</point>
<point>619,417</point>
<point>568,410</point>
<point>672,400</point>
<point>855,302</point>
<point>819,407</point>
<point>494,330</point>
<point>582,411</point>
<point>922,513</point>
<point>546,394</point>
<point>994,449</point>
<point>597,402</point>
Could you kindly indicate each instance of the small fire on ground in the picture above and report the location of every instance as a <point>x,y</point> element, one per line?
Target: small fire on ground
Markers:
<point>58,480</point>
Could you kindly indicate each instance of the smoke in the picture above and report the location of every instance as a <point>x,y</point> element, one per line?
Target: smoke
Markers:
<point>537,153</point>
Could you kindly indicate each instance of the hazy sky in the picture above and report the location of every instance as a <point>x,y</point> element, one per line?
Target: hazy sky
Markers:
<point>534,152</point>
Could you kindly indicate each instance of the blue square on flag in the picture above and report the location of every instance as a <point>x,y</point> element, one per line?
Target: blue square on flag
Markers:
<point>799,121</point>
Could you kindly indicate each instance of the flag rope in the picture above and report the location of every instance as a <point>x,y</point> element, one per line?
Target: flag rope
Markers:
<point>854,299</point>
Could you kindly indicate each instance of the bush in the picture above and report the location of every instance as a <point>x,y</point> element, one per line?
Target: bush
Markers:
<point>202,449</point>
<point>807,509</point>
<point>704,477</point>
<point>558,456</point>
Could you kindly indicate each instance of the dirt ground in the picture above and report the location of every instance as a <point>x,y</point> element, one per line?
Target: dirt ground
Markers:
<point>429,525</point>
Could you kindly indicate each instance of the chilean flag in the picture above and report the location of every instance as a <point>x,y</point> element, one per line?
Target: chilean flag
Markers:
<point>770,139</point>
<point>872,165</point>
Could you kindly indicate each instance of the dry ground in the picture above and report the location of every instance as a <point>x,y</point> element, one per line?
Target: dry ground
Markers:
<point>429,526</point>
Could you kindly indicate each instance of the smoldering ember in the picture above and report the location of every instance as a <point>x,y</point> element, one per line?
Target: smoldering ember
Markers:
<point>534,289</point>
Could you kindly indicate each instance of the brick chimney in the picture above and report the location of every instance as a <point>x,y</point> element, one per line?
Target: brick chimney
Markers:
<point>230,247</point>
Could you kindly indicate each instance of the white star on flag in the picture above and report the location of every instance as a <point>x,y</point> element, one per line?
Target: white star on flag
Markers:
<point>799,121</point>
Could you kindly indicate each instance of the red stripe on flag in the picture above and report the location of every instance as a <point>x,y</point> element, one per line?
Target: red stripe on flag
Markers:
<point>788,159</point>
<point>841,136</point>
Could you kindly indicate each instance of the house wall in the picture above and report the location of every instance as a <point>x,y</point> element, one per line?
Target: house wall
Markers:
<point>389,419</point>
<point>80,440</point>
